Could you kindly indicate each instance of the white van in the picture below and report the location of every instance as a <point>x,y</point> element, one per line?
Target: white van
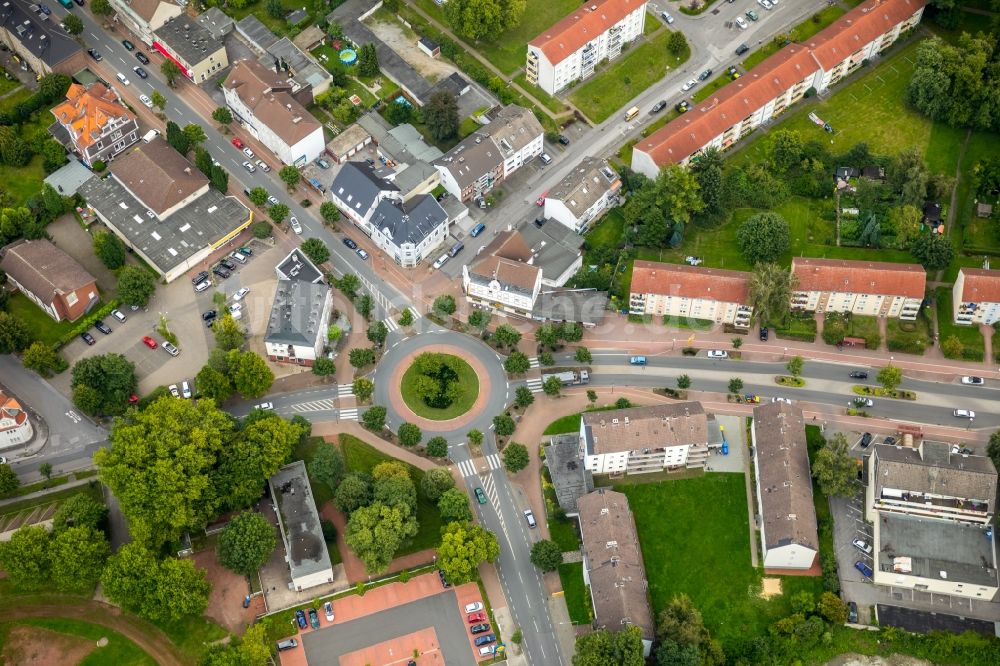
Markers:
<point>530,517</point>
<point>121,77</point>
<point>150,135</point>
<point>545,158</point>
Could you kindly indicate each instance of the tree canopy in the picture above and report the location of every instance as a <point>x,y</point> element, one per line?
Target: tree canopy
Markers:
<point>158,590</point>
<point>515,457</point>
<point>834,468</point>
<point>246,543</point>
<point>441,115</point>
<point>764,237</point>
<point>603,647</point>
<point>113,373</point>
<point>464,546</point>
<point>957,84</point>
<point>484,19</point>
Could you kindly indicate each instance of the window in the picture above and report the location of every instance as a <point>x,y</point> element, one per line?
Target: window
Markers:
<point>72,299</point>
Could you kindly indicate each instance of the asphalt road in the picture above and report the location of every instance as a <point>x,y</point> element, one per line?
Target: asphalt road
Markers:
<point>327,645</point>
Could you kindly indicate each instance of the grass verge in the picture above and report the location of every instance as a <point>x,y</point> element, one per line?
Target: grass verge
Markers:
<point>467,380</point>
<point>576,592</point>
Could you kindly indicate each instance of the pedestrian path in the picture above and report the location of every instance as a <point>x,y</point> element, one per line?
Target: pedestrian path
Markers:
<point>535,385</point>
<point>345,390</point>
<point>349,414</point>
<point>391,324</point>
<point>324,405</point>
<point>533,362</point>
<point>467,468</point>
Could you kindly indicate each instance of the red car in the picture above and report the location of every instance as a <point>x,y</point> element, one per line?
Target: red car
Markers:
<point>541,199</point>
<point>237,143</point>
<point>149,342</point>
<point>477,617</point>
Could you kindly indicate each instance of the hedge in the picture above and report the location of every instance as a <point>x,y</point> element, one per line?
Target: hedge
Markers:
<point>84,324</point>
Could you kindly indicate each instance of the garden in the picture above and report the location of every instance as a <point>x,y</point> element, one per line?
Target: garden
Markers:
<point>439,386</point>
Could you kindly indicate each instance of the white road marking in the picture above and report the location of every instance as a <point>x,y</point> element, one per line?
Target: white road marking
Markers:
<point>349,414</point>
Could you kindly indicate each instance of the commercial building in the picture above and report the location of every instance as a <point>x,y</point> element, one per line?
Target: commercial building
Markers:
<point>571,49</point>
<point>777,83</point>
<point>502,277</point>
<point>297,327</point>
<point>492,153</point>
<point>191,47</point>
<point>162,207</point>
<point>932,509</point>
<point>583,195</point>
<point>870,288</point>
<point>15,426</point>
<point>94,123</point>
<point>644,439</point>
<point>144,17</point>
<point>298,520</point>
<point>788,530</point>
<point>38,40</point>
<point>690,292</point>
<point>976,296</point>
<point>50,278</point>
<point>262,101</point>
<point>612,564</point>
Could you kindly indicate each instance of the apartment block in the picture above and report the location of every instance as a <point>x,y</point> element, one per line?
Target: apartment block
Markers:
<point>976,296</point>
<point>876,289</point>
<point>583,195</point>
<point>684,292</point>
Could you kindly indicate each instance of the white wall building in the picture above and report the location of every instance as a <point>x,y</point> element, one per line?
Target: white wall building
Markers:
<point>690,292</point>
<point>976,296</point>
<point>306,553</point>
<point>583,195</point>
<point>875,289</point>
<point>15,426</point>
<point>571,49</point>
<point>503,278</point>
<point>142,17</point>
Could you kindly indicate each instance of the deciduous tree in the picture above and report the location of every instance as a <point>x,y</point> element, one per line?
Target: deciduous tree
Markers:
<point>437,447</point>
<point>195,134</point>
<point>834,469</point>
<point>246,543</point>
<point>795,366</point>
<point>546,555</point>
<point>378,332</point>
<point>278,212</point>
<point>517,363</point>
<point>363,388</point>
<point>409,434</point>
<point>228,332</point>
<point>376,532</point>
<point>26,558</point>
<point>771,288</point>
<point>764,237</point>
<point>361,357</point>
<point>324,367</point>
<point>735,385</point>
<point>113,374</point>
<point>832,608</point>
<point>290,176</point>
<point>213,384</point>
<point>523,397</point>
<point>374,418</point>
<point>515,457</point>
<point>9,481</point>
<point>77,556</point>
<point>441,115</point>
<point>254,455</point>
<point>503,425</point>
<point>249,373</point>
<point>583,355</point>
<point>435,482</point>
<point>603,647</point>
<point>484,19</point>
<point>74,25</point>
<point>475,437</point>
<point>42,359</point>
<point>327,465</point>
<point>135,285</point>
<point>506,336</point>
<point>222,115</point>
<point>79,511</point>
<point>934,251</point>
<point>354,492</point>
<point>445,304</point>
<point>454,506</point>
<point>464,546</point>
<point>890,377</point>
<point>552,386</point>
<point>258,196</point>
<point>158,590</point>
<point>170,72</point>
<point>328,211</point>
<point>109,249</point>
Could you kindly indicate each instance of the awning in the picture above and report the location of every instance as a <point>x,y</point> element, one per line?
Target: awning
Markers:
<point>166,54</point>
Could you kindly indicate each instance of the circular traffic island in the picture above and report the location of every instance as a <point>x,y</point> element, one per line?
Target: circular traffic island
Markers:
<point>439,387</point>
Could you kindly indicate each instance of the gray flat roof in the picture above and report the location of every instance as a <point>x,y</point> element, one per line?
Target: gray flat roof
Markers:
<point>303,69</point>
<point>306,549</point>
<point>256,32</point>
<point>555,246</point>
<point>217,23</point>
<point>566,468</point>
<point>296,312</point>
<point>68,179</point>
<point>188,39</point>
<point>296,266</point>
<point>203,222</point>
<point>963,552</point>
<point>585,307</point>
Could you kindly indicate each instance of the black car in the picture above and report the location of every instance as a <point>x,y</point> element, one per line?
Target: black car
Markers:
<point>142,57</point>
<point>221,272</point>
<point>859,374</point>
<point>741,49</point>
<point>129,46</point>
<point>140,72</point>
<point>704,75</point>
<point>852,612</point>
<point>682,106</point>
<point>102,327</point>
<point>228,264</point>
<point>95,54</point>
<point>351,244</point>
<point>300,617</point>
<point>763,333</point>
<point>659,106</point>
<point>79,2</point>
<point>88,338</point>
<point>211,314</point>
<point>45,10</point>
<point>563,140</point>
<point>479,628</point>
<point>540,221</point>
<point>200,277</point>
<point>444,581</point>
<point>889,441</point>
<point>866,439</point>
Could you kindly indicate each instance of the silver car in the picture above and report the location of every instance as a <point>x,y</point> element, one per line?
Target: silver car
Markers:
<point>296,227</point>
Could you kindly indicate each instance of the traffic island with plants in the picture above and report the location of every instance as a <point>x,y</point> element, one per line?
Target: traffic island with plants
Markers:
<point>793,379</point>
<point>792,382</point>
<point>439,386</point>
<point>880,392</point>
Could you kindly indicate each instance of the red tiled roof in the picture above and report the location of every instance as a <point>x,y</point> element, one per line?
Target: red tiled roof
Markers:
<point>980,286</point>
<point>650,277</point>
<point>860,277</point>
<point>693,130</point>
<point>585,24</point>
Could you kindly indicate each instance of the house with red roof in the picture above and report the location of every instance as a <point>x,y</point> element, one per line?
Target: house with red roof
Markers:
<point>674,290</point>
<point>570,50</point>
<point>777,83</point>
<point>860,287</point>
<point>976,296</point>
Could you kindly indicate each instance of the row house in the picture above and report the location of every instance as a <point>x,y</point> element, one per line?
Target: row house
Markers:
<point>876,289</point>
<point>976,297</point>
<point>691,292</point>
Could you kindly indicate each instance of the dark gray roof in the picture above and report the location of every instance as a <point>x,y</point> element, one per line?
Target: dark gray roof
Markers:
<point>555,247</point>
<point>962,553</point>
<point>38,33</point>
<point>296,313</point>
<point>454,83</point>
<point>255,32</point>
<point>299,521</point>
<point>191,41</point>
<point>429,43</point>
<point>296,17</point>
<point>569,474</point>
<point>216,22</point>
<point>301,67</point>
<point>583,306</point>
<point>358,186</point>
<point>296,266</point>
<point>411,221</point>
<point>934,469</point>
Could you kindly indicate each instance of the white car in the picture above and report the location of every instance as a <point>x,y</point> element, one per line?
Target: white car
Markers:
<point>173,391</point>
<point>266,406</point>
<point>974,381</point>
<point>964,413</point>
<point>263,166</point>
<point>236,311</point>
<point>248,152</point>
<point>185,389</point>
<point>863,546</point>
<point>741,23</point>
<point>780,399</point>
<point>121,77</point>
<point>249,167</point>
<point>146,101</point>
<point>296,227</point>
<point>272,200</point>
<point>3,460</point>
<point>694,261</point>
<point>474,607</point>
<point>766,4</point>
<point>667,17</point>
<point>718,353</point>
<point>864,402</point>
<point>441,261</point>
<point>690,84</point>
<point>328,609</point>
<point>238,296</point>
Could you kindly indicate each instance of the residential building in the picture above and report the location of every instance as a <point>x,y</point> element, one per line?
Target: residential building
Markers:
<point>143,17</point>
<point>932,509</point>
<point>162,207</point>
<point>860,287</point>
<point>306,77</point>
<point>502,277</point>
<point>407,230</point>
<point>262,102</point>
<point>94,122</point>
<point>583,195</point>
<point>306,554</point>
<point>38,40</point>
<point>297,266</point>
<point>50,278</point>
<point>404,157</point>
<point>191,46</point>
<point>976,296</point>
<point>15,426</point>
<point>788,530</point>
<point>556,249</point>
<point>570,50</point>
<point>613,566</point>
<point>218,24</point>
<point>690,292</point>
<point>644,439</point>
<point>297,327</point>
<point>492,153</point>
<point>774,85</point>
<point>570,478</point>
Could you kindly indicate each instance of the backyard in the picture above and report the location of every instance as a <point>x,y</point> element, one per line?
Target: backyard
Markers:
<point>576,592</point>
<point>42,326</point>
<point>972,340</point>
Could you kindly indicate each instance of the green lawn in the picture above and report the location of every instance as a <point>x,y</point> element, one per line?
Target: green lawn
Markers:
<point>799,33</point>
<point>277,26</point>
<point>360,457</point>
<point>576,592</point>
<point>565,533</point>
<point>192,634</point>
<point>711,88</point>
<point>627,76</point>
<point>467,380</point>
<point>55,498</point>
<point>979,235</point>
<point>119,650</point>
<point>972,339</point>
<point>354,87</point>
<point>550,102</point>
<point>23,182</point>
<point>861,326</point>
<point>42,326</point>
<point>909,337</point>
<point>695,540</point>
<point>564,425</point>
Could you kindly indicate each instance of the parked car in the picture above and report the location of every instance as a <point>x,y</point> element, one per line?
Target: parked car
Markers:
<point>477,617</point>
<point>718,353</point>
<point>129,46</point>
<point>221,272</point>
<point>752,15</point>
<point>228,265</point>
<point>361,253</point>
<point>859,374</point>
<point>249,167</point>
<point>704,75</point>
<point>102,327</point>
<point>690,84</point>
<point>974,381</point>
<point>296,227</point>
<point>272,200</point>
<point>149,342</point>
<point>174,391</point>
<point>863,546</point>
<point>741,23</point>
<point>864,569</point>
<point>852,612</point>
<point>682,106</point>
<point>964,414</point>
<point>530,518</point>
<point>148,103</point>
<point>209,315</point>
<point>444,580</point>
<point>238,296</point>
<point>322,164</point>
<point>95,54</point>
<point>245,251</point>
<point>861,401</point>
<point>328,610</point>
<point>763,333</point>
<point>185,389</point>
<point>263,166</point>
<point>248,152</point>
<point>300,617</point>
<point>236,142</point>
<point>563,140</point>
<point>741,49</point>
<point>313,618</point>
<point>479,628</point>
<point>170,349</point>
<point>287,644</point>
<point>142,57</point>
<point>637,360</point>
<point>889,441</point>
<point>866,439</point>
<point>733,73</point>
<point>659,106</point>
<point>121,77</point>
<point>88,338</point>
<point>480,496</point>
<point>766,4</point>
<point>667,17</point>
<point>486,640</point>
<point>474,606</point>
<point>478,229</point>
<point>200,277</point>
<point>202,286</point>
<point>119,316</point>
<point>351,244</point>
<point>440,261</point>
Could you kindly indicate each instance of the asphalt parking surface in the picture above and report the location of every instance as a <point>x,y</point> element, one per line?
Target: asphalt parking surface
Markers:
<point>327,645</point>
<point>922,622</point>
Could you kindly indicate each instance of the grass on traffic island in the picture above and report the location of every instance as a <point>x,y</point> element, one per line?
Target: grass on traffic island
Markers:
<point>464,377</point>
<point>879,392</point>
<point>790,382</point>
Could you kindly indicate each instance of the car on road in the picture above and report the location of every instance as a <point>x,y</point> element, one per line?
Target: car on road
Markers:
<point>272,200</point>
<point>667,17</point>
<point>121,77</point>
<point>361,253</point>
<point>478,229</point>
<point>313,618</point>
<point>741,49</point>
<point>351,244</point>
<point>294,222</point>
<point>682,106</point>
<point>659,106</point>
<point>852,612</point>
<point>236,142</point>
<point>238,296</point>
<point>142,57</point>
<point>328,611</point>
<point>185,389</point>
<point>474,607</point>
<point>45,10</point>
<point>263,166</point>
<point>248,152</point>
<point>480,496</point>
<point>479,628</point>
<point>102,327</point>
<point>863,546</point>
<point>866,439</point>
<point>864,569</point>
<point>170,349</point>
<point>148,103</point>
<point>486,640</point>
<point>444,580</point>
<point>530,518</point>
<point>119,316</point>
<point>174,391</point>
<point>477,617</point>
<point>88,338</point>
<point>779,398</point>
<point>859,374</point>
<point>249,167</point>
<point>300,617</point>
<point>129,46</point>
<point>974,381</point>
<point>763,333</point>
<point>861,401</point>
<point>95,54</point>
<point>718,353</point>
<point>209,315</point>
<point>266,406</point>
<point>704,75</point>
<point>140,72</point>
<point>690,84</point>
<point>637,360</point>
<point>752,15</point>
<point>221,272</point>
<point>964,413</point>
<point>741,23</point>
<point>149,342</point>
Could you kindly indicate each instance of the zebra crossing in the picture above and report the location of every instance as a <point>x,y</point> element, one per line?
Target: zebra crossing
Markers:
<point>468,467</point>
<point>345,390</point>
<point>349,414</point>
<point>324,405</point>
<point>391,324</point>
<point>493,460</point>
<point>535,385</point>
<point>533,362</point>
